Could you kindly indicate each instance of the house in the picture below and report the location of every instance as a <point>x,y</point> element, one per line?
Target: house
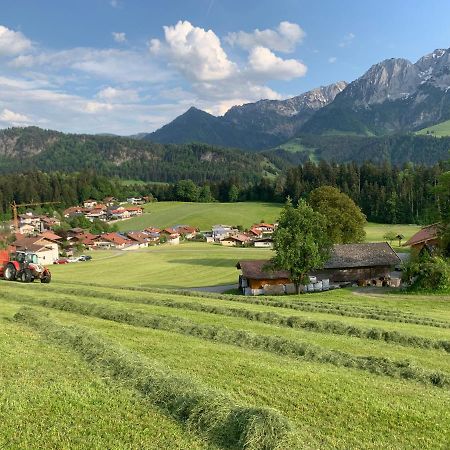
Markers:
<point>264,228</point>
<point>355,263</point>
<point>50,236</point>
<point>98,213</point>
<point>134,210</point>
<point>171,235</point>
<point>50,222</point>
<point>235,240</point>
<point>186,231</point>
<point>153,230</point>
<point>115,240</point>
<point>30,223</point>
<point>263,243</point>
<point>109,201</point>
<point>220,232</point>
<point>46,251</point>
<point>90,203</point>
<point>75,211</point>
<point>140,238</point>
<point>136,200</point>
<point>119,213</point>
<point>427,237</point>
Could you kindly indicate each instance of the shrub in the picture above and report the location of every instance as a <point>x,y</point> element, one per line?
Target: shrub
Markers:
<point>430,273</point>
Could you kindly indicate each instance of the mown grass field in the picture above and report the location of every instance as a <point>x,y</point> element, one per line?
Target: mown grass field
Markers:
<point>97,366</point>
<point>439,130</point>
<point>202,215</point>
<point>205,215</point>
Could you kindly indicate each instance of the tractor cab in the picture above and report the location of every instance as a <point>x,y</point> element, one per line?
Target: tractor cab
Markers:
<point>26,258</point>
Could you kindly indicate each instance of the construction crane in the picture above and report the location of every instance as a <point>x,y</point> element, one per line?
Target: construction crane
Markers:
<point>14,207</point>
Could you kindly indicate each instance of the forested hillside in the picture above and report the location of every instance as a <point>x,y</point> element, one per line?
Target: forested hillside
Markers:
<point>31,148</point>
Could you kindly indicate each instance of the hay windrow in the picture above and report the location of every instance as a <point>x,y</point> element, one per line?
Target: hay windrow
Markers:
<point>205,410</point>
<point>241,338</point>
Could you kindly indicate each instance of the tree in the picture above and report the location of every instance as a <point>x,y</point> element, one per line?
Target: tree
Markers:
<point>301,242</point>
<point>233,193</point>
<point>390,236</point>
<point>345,221</point>
<point>443,189</point>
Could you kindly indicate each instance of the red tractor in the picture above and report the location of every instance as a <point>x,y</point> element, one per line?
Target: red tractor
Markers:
<point>24,266</point>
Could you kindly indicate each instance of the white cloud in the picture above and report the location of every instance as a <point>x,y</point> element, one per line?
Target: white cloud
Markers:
<point>13,118</point>
<point>195,52</point>
<point>113,64</point>
<point>114,3</point>
<point>12,42</point>
<point>347,40</point>
<point>284,39</point>
<point>265,63</point>
<point>119,37</point>
<point>116,95</point>
<point>332,59</point>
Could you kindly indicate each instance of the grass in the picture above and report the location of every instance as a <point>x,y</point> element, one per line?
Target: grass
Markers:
<point>186,265</point>
<point>202,215</point>
<point>376,231</point>
<point>78,369</point>
<point>440,130</point>
<point>110,357</point>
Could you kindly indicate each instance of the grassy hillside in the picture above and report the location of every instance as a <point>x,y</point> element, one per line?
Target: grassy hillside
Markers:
<point>439,130</point>
<point>202,215</point>
<point>97,367</point>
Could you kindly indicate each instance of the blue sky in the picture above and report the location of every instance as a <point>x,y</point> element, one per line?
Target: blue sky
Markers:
<point>128,66</point>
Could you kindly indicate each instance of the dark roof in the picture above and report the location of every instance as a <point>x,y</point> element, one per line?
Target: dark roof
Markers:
<point>362,255</point>
<point>424,235</point>
<point>343,256</point>
<point>255,270</point>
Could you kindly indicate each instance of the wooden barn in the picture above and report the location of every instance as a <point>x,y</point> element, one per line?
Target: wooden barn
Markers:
<point>348,263</point>
<point>427,237</point>
<point>358,262</point>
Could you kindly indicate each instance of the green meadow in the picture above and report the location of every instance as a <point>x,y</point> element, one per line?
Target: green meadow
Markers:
<point>86,364</point>
<point>440,130</point>
<point>202,215</point>
<point>116,353</point>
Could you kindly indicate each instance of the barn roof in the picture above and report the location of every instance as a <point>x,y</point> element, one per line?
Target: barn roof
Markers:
<point>255,270</point>
<point>424,235</point>
<point>343,256</point>
<point>362,255</point>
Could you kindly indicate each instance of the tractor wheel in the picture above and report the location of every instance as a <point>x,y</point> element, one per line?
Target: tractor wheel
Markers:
<point>46,278</point>
<point>26,276</point>
<point>10,272</point>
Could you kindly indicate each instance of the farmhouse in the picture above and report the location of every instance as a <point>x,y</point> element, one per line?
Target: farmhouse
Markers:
<point>427,238</point>
<point>235,240</point>
<point>263,243</point>
<point>348,263</point>
<point>45,250</point>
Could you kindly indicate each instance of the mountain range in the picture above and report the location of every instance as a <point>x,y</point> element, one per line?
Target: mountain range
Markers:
<point>393,96</point>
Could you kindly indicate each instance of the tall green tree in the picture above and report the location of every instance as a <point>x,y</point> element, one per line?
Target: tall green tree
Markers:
<point>301,242</point>
<point>345,220</point>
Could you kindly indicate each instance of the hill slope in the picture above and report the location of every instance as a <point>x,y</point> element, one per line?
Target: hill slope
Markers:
<point>31,148</point>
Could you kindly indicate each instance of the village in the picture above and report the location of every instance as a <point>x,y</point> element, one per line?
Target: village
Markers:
<point>52,244</point>
<point>373,264</point>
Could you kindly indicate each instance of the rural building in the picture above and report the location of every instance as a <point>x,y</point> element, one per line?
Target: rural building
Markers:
<point>90,203</point>
<point>220,232</point>
<point>427,237</point>
<point>358,262</point>
<point>46,251</point>
<point>235,240</point>
<point>263,243</point>
<point>186,231</point>
<point>264,228</point>
<point>348,263</point>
